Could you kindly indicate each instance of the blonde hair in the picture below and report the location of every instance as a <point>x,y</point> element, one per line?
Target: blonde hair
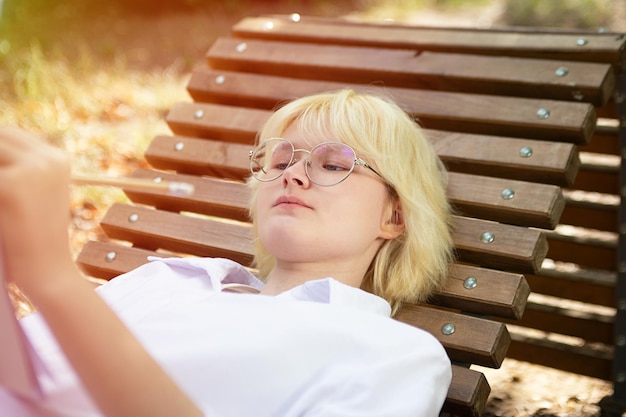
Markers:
<point>410,267</point>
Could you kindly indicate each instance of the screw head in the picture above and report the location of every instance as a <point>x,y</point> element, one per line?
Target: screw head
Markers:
<point>507,194</point>
<point>241,47</point>
<point>179,146</point>
<point>219,80</point>
<point>526,152</point>
<point>582,41</point>
<point>133,218</point>
<point>268,25</point>
<point>295,17</point>
<point>561,71</point>
<point>198,114</point>
<point>470,283</point>
<point>487,237</point>
<point>543,113</point>
<point>110,256</point>
<point>448,328</point>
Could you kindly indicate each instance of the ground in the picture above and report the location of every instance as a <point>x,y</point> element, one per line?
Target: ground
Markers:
<point>165,42</point>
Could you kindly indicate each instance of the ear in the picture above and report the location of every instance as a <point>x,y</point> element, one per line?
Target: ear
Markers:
<point>393,222</point>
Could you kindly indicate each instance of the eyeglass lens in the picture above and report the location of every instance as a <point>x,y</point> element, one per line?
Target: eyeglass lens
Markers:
<point>327,164</point>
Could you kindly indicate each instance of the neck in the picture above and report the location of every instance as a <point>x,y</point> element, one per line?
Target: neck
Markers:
<point>286,276</point>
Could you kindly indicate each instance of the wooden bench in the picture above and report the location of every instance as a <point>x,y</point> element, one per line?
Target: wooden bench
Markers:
<point>506,111</point>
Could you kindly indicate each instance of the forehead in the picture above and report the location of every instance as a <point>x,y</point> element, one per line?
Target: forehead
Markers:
<point>302,139</point>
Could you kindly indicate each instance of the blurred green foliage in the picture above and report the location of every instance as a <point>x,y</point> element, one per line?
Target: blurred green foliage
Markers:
<point>583,14</point>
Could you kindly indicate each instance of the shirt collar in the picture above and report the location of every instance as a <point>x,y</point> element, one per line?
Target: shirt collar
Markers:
<point>221,271</point>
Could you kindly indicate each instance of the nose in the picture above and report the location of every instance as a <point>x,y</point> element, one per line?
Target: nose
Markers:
<point>296,174</point>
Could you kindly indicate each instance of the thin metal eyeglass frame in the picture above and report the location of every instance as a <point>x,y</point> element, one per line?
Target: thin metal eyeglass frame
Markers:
<point>357,161</point>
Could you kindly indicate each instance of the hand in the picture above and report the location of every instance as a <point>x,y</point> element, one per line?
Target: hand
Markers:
<point>34,209</point>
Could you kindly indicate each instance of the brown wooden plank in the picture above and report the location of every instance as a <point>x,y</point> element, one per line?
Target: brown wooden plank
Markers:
<point>591,327</point>
<point>497,156</point>
<point>513,248</point>
<point>591,210</point>
<point>538,43</point>
<point>154,229</point>
<point>497,293</point>
<point>479,74</point>
<point>573,282</point>
<point>533,204</point>
<point>235,124</point>
<point>468,393</point>
<point>107,260</point>
<point>474,340</point>
<point>469,113</point>
<point>484,291</point>
<point>597,257</point>
<point>506,201</point>
<point>212,196</point>
<point>198,156</point>
<point>589,361</point>
<point>555,163</point>
<point>478,196</point>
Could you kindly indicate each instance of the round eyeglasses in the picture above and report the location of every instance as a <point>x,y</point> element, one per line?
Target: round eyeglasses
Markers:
<point>327,164</point>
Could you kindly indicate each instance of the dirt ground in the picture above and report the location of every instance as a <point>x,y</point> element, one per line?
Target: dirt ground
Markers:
<point>161,38</point>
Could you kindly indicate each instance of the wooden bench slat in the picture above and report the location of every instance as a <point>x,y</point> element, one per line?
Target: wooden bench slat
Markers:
<point>555,163</point>
<point>497,293</point>
<point>524,77</point>
<point>536,44</point>
<point>497,156</point>
<point>537,205</point>
<point>468,393</point>
<point>473,340</point>
<point>156,229</point>
<point>514,248</point>
<point>475,113</point>
<point>589,326</point>
<point>490,293</point>
<point>212,196</point>
<point>587,360</point>
<point>532,204</point>
<point>107,260</point>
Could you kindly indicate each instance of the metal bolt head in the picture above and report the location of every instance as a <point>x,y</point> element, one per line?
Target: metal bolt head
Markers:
<point>447,329</point>
<point>295,17</point>
<point>487,237</point>
<point>561,71</point>
<point>582,41</point>
<point>179,146</point>
<point>268,25</point>
<point>219,80</point>
<point>241,47</point>
<point>526,152</point>
<point>543,113</point>
<point>110,256</point>
<point>578,95</point>
<point>470,283</point>
<point>198,114</point>
<point>157,180</point>
<point>133,218</point>
<point>507,194</point>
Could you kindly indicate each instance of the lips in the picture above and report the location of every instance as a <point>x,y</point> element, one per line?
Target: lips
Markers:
<point>290,200</point>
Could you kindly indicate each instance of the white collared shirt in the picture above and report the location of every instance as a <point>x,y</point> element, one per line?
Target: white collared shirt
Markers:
<point>321,349</point>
